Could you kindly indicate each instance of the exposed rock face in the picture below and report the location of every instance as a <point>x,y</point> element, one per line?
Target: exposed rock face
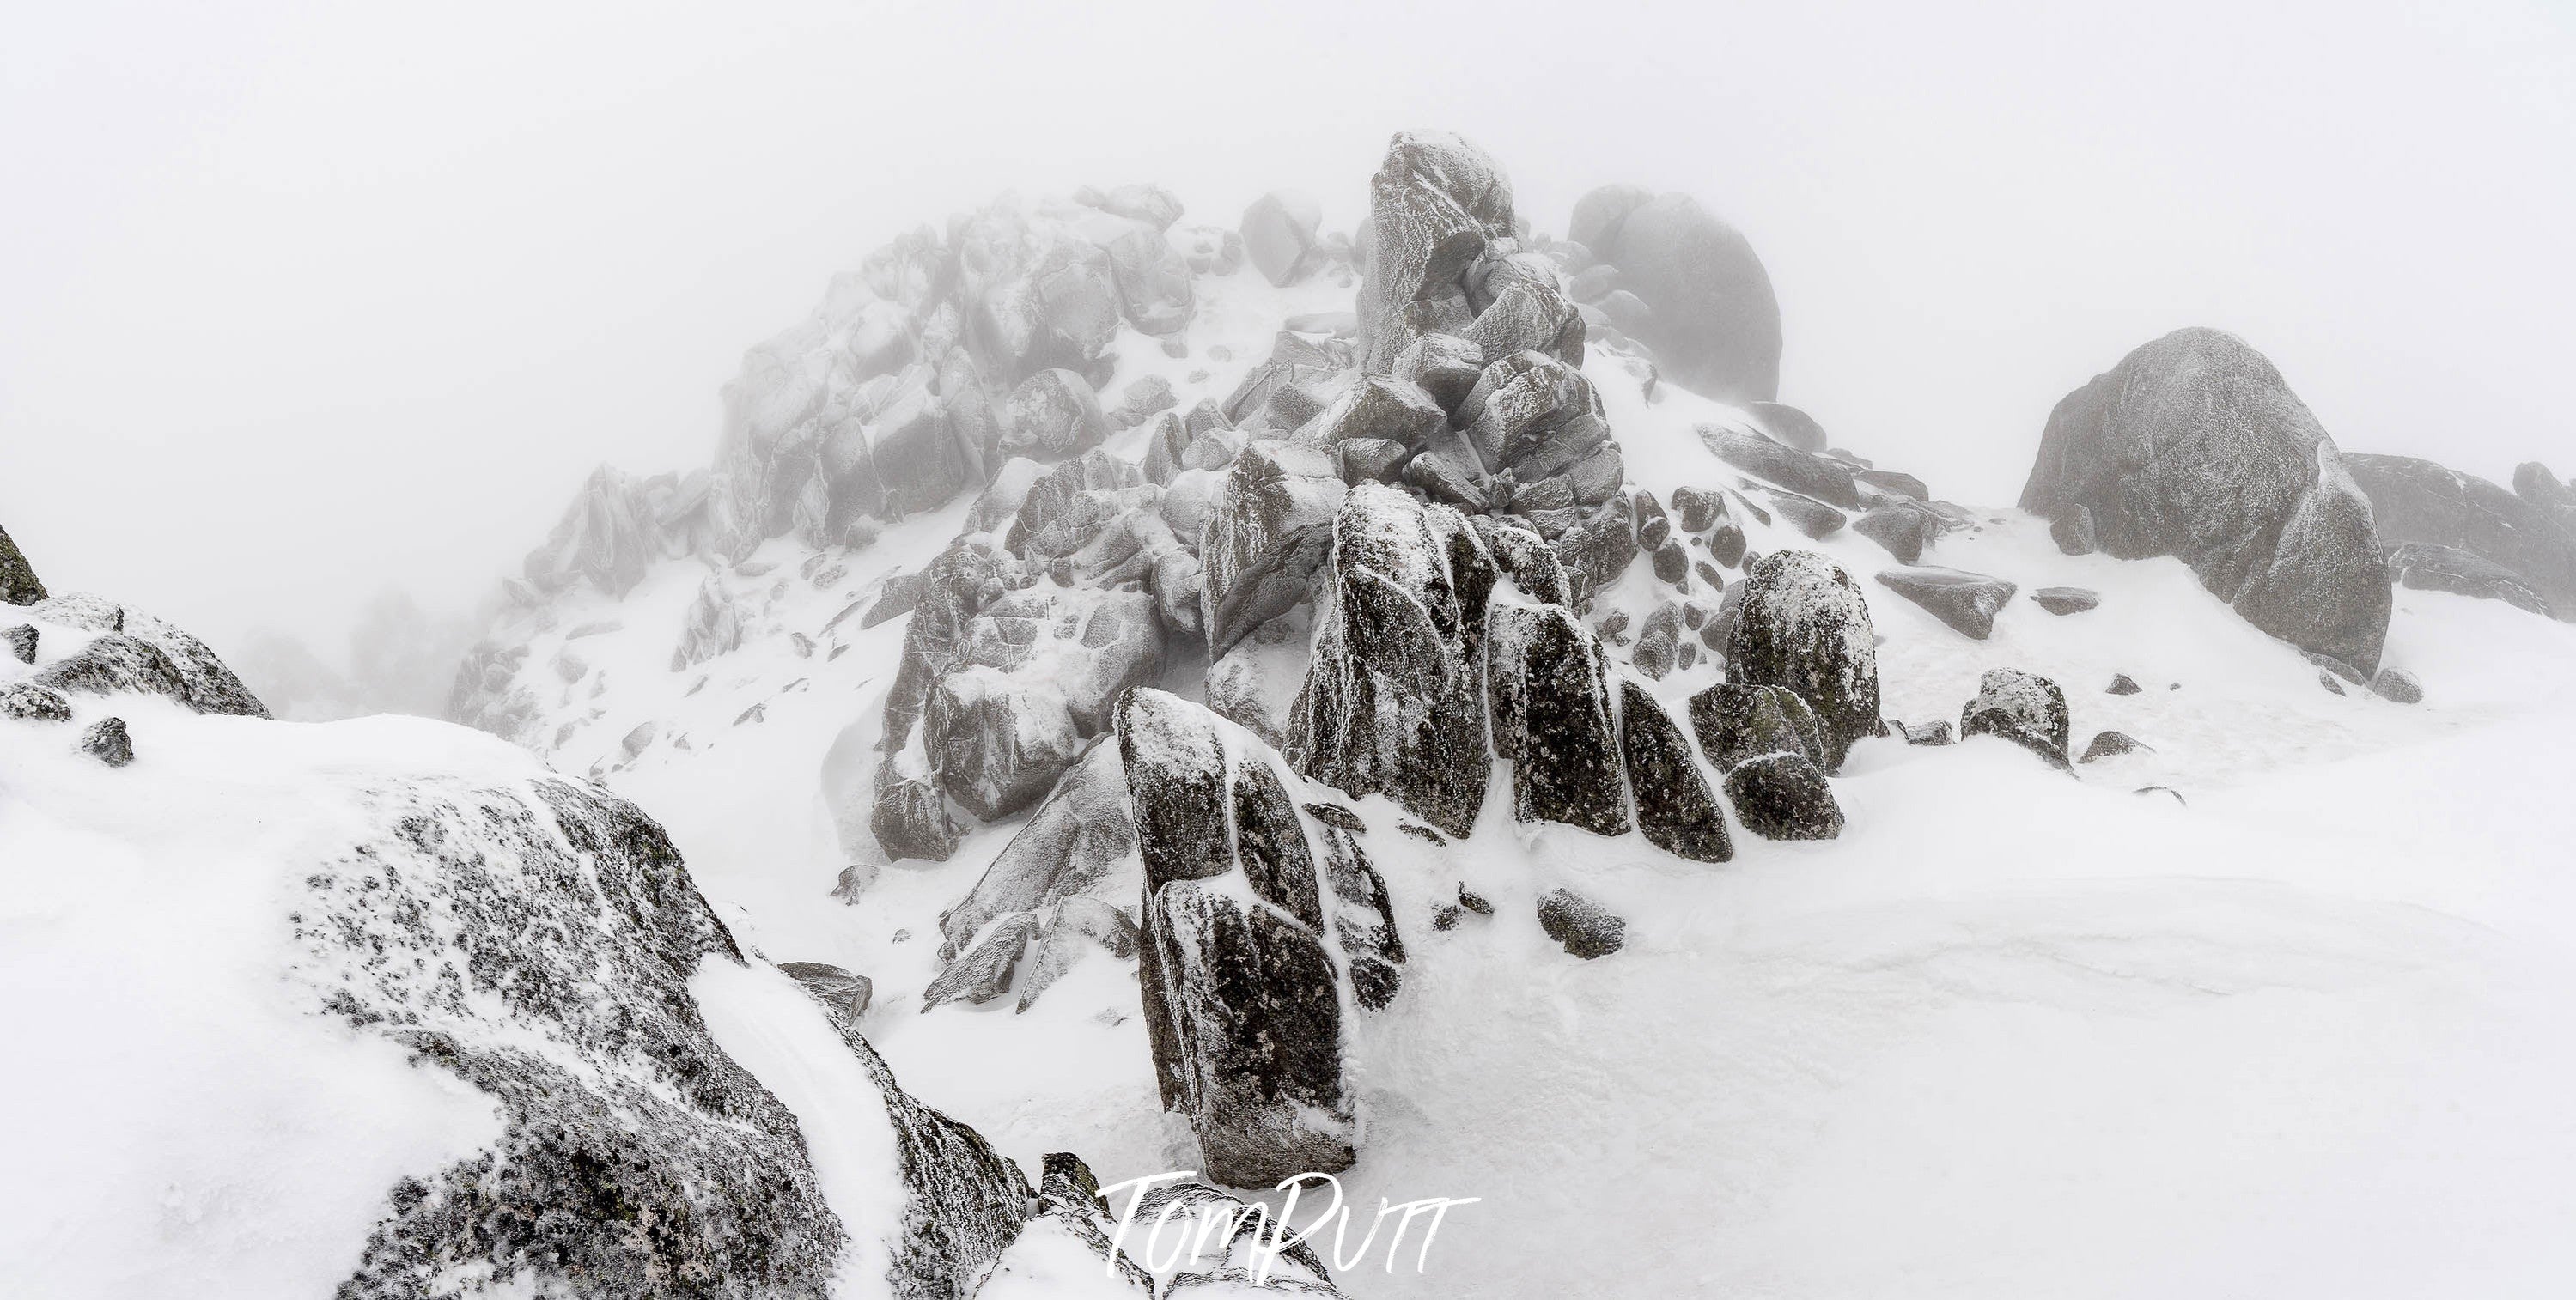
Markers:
<point>1784,797</point>
<point>1392,701</point>
<point>22,642</point>
<point>2421,566</point>
<point>1584,928</point>
<point>606,536</point>
<point>1269,534</point>
<point>2421,503</point>
<point>1434,206</point>
<point>18,584</point>
<point>1550,712</point>
<point>713,627</point>
<point>1805,627</point>
<point>2024,708</point>
<point>1241,999</point>
<point>1040,671</point>
<point>2194,447</point>
<point>1714,324</point>
<point>1675,810</point>
<point>611,1091</point>
<point>1078,849</point>
<point>1966,601</point>
<point>1279,236</point>
<point>1051,415</point>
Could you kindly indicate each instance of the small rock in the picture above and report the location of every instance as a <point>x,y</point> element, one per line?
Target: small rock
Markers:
<point>2162,789</point>
<point>2111,744</point>
<point>2122,684</point>
<point>31,702</point>
<point>2024,708</point>
<point>1474,902</point>
<point>2073,532</point>
<point>1935,732</point>
<point>638,740</point>
<point>1585,928</point>
<point>847,995</point>
<point>1967,602</point>
<point>1784,797</point>
<point>107,741</point>
<point>2398,686</point>
<point>2066,600</point>
<point>22,643</point>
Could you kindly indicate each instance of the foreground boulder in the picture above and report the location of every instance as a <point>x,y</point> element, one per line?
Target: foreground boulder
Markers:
<point>1241,1000</point>
<point>1784,797</point>
<point>2194,447</point>
<point>1675,810</point>
<point>1804,627</point>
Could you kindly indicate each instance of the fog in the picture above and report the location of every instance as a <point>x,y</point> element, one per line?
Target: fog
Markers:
<point>298,302</point>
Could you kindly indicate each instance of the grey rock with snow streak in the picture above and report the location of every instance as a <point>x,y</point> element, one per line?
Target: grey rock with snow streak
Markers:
<point>107,741</point>
<point>1550,714</point>
<point>1903,527</point>
<point>1736,723</point>
<point>2193,446</point>
<point>2112,744</point>
<point>2397,686</point>
<point>33,702</point>
<point>22,642</point>
<point>1763,457</point>
<point>1967,602</point>
<point>2423,566</point>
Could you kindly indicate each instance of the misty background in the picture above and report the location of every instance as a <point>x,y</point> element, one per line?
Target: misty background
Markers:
<point>312,311</point>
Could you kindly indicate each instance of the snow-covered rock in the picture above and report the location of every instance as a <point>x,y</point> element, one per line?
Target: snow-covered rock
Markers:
<point>2194,447</point>
<point>1804,627</point>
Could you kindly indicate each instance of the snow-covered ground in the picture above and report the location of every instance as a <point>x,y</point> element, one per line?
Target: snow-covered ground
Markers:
<point>2299,1031</point>
<point>2014,1033</point>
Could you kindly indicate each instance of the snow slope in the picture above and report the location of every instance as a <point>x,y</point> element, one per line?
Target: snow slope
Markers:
<point>2298,1032</point>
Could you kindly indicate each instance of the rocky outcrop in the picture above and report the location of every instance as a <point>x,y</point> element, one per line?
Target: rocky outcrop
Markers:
<point>1242,999</point>
<point>1804,627</point>
<point>2419,503</point>
<point>1436,207</point>
<point>2194,447</point>
<point>1967,602</point>
<point>2024,708</point>
<point>610,1090</point>
<point>1712,321</point>
<point>1039,671</point>
<point>136,652</point>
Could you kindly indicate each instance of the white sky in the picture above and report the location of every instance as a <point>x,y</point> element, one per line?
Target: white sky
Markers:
<point>297,300</point>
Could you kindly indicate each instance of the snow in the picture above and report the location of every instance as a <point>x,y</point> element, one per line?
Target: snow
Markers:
<point>182,1119</point>
<point>2016,1032</point>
